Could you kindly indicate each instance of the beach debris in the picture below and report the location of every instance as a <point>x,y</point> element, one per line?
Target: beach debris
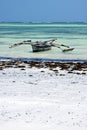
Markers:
<point>70,67</point>
<point>43,45</point>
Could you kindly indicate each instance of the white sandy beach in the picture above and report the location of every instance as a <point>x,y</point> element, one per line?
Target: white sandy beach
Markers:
<point>40,99</point>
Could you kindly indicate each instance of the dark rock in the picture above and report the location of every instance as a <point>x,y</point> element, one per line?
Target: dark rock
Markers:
<point>42,71</point>
<point>70,72</point>
<point>1,68</point>
<point>83,73</point>
<point>3,73</point>
<point>30,75</point>
<point>62,74</point>
<point>22,69</point>
<point>21,66</point>
<point>13,81</point>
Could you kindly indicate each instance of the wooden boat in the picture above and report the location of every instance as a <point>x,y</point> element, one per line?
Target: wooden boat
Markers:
<point>40,47</point>
<point>43,45</point>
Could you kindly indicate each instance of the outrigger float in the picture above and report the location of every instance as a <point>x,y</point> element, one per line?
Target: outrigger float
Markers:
<point>43,45</point>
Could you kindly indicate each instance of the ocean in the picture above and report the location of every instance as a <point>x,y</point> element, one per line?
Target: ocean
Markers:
<point>73,35</point>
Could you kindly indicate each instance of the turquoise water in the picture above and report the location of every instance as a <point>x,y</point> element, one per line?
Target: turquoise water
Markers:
<point>73,35</point>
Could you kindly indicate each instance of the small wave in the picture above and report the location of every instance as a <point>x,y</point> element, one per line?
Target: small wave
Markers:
<point>41,59</point>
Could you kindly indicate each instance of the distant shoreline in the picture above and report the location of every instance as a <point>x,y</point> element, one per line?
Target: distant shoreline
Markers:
<point>43,22</point>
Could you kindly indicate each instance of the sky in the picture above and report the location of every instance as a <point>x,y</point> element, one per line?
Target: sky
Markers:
<point>43,10</point>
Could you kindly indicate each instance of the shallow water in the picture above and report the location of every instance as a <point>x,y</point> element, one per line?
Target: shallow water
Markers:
<point>74,35</point>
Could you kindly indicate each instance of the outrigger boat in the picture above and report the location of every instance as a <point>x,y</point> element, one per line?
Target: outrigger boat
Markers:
<point>43,45</point>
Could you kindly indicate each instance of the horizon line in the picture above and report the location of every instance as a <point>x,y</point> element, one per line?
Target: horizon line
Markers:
<point>76,22</point>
